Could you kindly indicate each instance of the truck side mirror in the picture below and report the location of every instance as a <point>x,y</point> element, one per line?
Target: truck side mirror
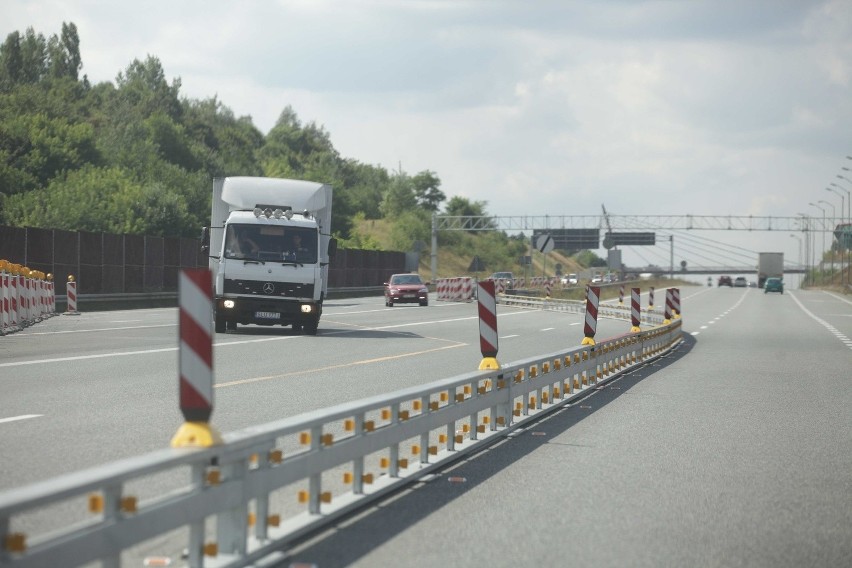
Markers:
<point>332,248</point>
<point>205,239</point>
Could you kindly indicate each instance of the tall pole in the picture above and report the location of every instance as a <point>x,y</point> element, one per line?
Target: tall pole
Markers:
<point>434,258</point>
<point>822,251</point>
<point>832,224</point>
<point>671,257</point>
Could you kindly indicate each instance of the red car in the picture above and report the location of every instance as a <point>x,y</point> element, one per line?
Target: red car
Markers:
<point>726,281</point>
<point>406,288</point>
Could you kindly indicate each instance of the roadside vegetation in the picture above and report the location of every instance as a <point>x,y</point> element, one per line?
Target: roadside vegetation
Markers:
<point>135,156</point>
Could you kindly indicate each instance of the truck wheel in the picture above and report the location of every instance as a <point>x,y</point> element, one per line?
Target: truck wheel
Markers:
<point>310,327</point>
<point>220,324</point>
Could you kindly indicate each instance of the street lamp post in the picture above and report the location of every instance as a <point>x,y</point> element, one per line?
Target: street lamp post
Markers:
<point>833,223</point>
<point>806,225</point>
<point>798,238</point>
<point>822,251</point>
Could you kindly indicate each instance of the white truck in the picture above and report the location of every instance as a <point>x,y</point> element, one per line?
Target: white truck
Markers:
<point>769,265</point>
<point>269,244</point>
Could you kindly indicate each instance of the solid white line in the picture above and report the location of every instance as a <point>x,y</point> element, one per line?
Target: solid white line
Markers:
<point>21,417</point>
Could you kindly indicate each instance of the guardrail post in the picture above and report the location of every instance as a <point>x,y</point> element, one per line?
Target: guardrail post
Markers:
<point>635,310</point>
<point>488,326</point>
<point>676,302</point>
<point>195,291</point>
<point>71,294</point>
<point>667,313</point>
<point>593,294</point>
<point>232,524</point>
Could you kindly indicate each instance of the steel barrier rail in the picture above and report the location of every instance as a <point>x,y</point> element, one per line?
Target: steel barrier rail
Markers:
<point>578,307</point>
<point>231,484</point>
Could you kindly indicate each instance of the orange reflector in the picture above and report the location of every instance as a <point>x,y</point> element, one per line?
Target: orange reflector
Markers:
<point>214,477</point>
<point>367,478</point>
<point>457,479</point>
<point>252,519</point>
<point>369,425</point>
<point>325,497</point>
<point>415,450</point>
<point>434,405</point>
<point>384,463</point>
<point>386,414</point>
<point>157,561</point>
<point>128,504</point>
<point>416,405</point>
<point>348,477</point>
<point>327,439</point>
<point>210,549</point>
<point>442,438</point>
<point>275,456</point>
<point>96,503</point>
<point>303,496</point>
<point>273,520</point>
<point>304,438</point>
<point>349,425</point>
<point>444,397</point>
<point>16,542</point>
<point>402,463</point>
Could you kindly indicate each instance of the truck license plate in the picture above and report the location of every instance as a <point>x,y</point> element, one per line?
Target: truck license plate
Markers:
<point>409,295</point>
<point>267,315</point>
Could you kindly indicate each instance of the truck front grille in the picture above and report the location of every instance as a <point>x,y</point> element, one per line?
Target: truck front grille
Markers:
<point>269,289</point>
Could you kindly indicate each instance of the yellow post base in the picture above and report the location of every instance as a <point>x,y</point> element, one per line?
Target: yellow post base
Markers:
<point>635,329</point>
<point>196,435</point>
<point>489,364</point>
<point>588,341</point>
<point>667,322</point>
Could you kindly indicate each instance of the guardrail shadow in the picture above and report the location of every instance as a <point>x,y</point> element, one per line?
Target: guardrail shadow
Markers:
<point>347,541</point>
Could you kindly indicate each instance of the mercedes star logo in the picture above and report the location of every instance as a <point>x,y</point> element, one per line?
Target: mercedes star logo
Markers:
<point>268,288</point>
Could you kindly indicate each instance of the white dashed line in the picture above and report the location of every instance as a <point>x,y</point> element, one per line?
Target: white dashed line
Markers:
<point>21,417</point>
<point>833,330</point>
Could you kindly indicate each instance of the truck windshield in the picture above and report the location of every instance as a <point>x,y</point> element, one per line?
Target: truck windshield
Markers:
<point>271,243</point>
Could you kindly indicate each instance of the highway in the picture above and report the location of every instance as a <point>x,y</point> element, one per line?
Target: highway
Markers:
<point>734,450</point>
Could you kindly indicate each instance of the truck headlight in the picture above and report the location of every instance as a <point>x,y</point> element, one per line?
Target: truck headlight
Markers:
<point>307,308</point>
<point>228,304</point>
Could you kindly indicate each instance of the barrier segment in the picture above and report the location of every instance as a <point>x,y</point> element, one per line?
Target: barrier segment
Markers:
<point>71,293</point>
<point>593,295</point>
<point>651,299</point>
<point>667,313</point>
<point>635,310</point>
<point>195,356</point>
<point>488,326</point>
<point>676,302</point>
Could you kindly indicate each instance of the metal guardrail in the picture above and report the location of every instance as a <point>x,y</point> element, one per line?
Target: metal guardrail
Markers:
<point>605,310</point>
<point>312,469</point>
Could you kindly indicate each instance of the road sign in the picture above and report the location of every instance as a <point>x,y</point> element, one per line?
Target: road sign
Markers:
<point>476,265</point>
<point>572,239</point>
<point>630,238</point>
<point>545,243</point>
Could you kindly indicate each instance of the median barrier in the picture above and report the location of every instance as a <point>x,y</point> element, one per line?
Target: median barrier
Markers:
<point>271,486</point>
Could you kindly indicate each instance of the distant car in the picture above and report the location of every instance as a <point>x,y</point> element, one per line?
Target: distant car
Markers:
<point>406,288</point>
<point>507,278</point>
<point>773,285</point>
<point>569,279</point>
<point>725,281</point>
<point>740,282</point>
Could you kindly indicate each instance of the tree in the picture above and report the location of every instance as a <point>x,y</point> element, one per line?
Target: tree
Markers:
<point>399,197</point>
<point>426,186</point>
<point>11,62</point>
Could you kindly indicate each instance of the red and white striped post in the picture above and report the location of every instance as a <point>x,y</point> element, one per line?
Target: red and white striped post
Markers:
<point>195,296</point>
<point>667,313</point>
<point>621,295</point>
<point>635,310</point>
<point>71,293</point>
<point>593,295</point>
<point>14,314</point>
<point>676,302</point>
<point>651,299</point>
<point>548,287</point>
<point>5,319</point>
<point>488,326</point>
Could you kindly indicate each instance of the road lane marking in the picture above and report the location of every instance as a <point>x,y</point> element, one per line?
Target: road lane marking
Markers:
<point>28,334</point>
<point>548,329</point>
<point>833,330</point>
<point>21,417</point>
<point>334,367</point>
<point>509,336</point>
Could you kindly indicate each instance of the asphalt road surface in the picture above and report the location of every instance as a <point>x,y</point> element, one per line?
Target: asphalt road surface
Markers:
<point>736,450</point>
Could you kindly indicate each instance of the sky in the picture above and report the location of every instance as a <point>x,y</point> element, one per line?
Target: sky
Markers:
<point>537,107</point>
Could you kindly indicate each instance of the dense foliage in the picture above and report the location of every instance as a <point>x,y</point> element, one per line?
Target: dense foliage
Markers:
<point>134,156</point>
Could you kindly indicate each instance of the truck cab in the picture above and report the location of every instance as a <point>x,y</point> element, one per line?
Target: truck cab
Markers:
<point>269,254</point>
